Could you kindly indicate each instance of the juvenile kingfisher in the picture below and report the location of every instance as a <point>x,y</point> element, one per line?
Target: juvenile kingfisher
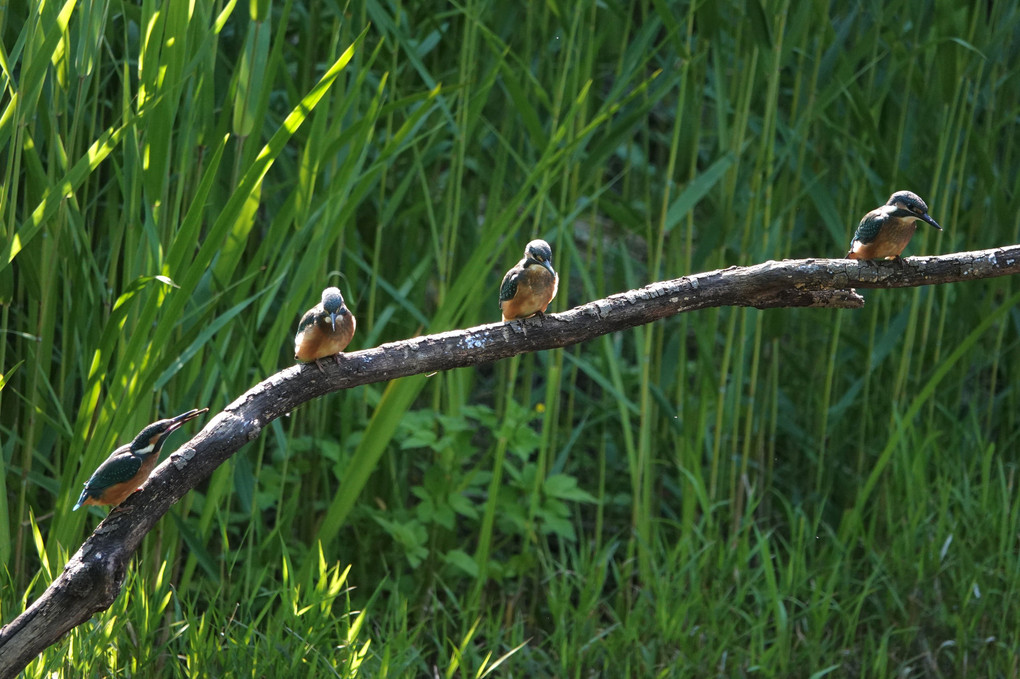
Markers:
<point>127,467</point>
<point>884,232</point>
<point>528,288</point>
<point>325,330</point>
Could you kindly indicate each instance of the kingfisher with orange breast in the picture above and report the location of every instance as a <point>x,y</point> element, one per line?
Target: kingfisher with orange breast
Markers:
<point>325,330</point>
<point>127,467</point>
<point>885,231</point>
<point>530,285</point>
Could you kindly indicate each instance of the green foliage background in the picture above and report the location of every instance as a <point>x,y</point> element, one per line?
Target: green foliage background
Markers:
<point>780,493</point>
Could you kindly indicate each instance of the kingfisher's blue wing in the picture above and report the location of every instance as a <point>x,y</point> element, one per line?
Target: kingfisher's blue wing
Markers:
<point>508,289</point>
<point>308,319</point>
<point>117,468</point>
<point>869,227</point>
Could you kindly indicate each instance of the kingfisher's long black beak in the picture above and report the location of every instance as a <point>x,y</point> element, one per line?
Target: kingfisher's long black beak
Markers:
<point>176,422</point>
<point>927,217</point>
<point>332,318</point>
<point>548,265</point>
<point>172,425</point>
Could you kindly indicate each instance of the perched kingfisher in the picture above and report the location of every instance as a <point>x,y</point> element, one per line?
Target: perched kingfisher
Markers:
<point>528,288</point>
<point>127,467</point>
<point>325,330</point>
<point>884,232</point>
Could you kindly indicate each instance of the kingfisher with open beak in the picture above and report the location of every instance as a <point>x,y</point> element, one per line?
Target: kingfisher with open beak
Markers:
<point>325,330</point>
<point>530,285</point>
<point>127,467</point>
<point>885,231</point>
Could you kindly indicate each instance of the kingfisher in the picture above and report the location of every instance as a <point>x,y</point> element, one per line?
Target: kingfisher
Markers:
<point>325,330</point>
<point>127,467</point>
<point>530,285</point>
<point>885,231</point>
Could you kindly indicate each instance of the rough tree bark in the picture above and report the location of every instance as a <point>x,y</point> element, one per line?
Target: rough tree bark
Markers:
<point>92,578</point>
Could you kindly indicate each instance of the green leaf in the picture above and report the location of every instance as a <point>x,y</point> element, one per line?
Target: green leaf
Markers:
<point>565,487</point>
<point>462,560</point>
<point>696,190</point>
<point>251,77</point>
<point>463,506</point>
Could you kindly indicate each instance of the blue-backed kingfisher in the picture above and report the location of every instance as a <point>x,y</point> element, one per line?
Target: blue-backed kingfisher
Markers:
<point>127,467</point>
<point>530,285</point>
<point>885,231</point>
<point>325,330</point>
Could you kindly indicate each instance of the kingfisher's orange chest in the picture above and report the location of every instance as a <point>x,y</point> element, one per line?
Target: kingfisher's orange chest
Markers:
<point>535,289</point>
<point>318,339</point>
<point>118,492</point>
<point>890,241</point>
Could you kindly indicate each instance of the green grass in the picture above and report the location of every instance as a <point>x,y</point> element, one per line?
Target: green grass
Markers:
<point>733,492</point>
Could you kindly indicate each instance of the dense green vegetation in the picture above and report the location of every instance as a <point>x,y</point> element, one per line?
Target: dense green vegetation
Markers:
<point>730,492</point>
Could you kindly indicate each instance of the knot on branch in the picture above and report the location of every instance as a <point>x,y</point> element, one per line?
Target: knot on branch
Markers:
<point>94,579</point>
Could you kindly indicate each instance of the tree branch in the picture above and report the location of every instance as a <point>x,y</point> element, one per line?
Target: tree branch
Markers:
<point>93,577</point>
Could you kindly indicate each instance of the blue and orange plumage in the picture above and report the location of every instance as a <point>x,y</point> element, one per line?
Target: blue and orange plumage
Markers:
<point>885,231</point>
<point>324,330</point>
<point>127,468</point>
<point>530,285</point>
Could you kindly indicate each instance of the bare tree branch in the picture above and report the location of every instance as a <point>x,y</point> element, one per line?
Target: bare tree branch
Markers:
<point>93,577</point>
